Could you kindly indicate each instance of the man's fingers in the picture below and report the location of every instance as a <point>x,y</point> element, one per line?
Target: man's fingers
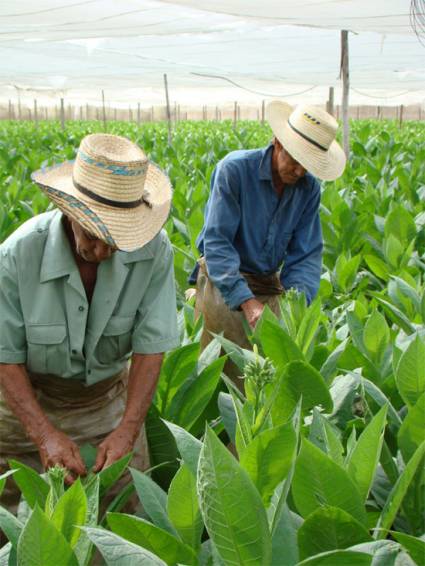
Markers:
<point>79,465</point>
<point>110,459</point>
<point>100,459</point>
<point>69,479</point>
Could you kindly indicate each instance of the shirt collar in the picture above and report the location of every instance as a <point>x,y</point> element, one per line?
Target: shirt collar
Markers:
<point>57,260</point>
<point>265,167</point>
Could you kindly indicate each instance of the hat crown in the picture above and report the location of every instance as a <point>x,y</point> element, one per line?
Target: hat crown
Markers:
<point>111,167</point>
<point>315,124</point>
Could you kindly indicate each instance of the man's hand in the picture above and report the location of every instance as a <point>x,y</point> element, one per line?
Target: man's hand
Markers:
<point>55,447</point>
<point>252,310</point>
<point>116,445</point>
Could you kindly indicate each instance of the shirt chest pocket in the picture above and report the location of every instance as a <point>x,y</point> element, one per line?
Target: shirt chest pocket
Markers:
<point>115,342</point>
<point>47,348</point>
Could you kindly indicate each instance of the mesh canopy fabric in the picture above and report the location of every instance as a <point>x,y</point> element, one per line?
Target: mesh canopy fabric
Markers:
<point>230,49</point>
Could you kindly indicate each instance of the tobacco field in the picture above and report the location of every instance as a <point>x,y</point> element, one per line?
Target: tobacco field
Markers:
<point>329,446</point>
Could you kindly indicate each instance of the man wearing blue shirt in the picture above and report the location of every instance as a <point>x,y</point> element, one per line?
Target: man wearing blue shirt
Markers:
<point>262,218</point>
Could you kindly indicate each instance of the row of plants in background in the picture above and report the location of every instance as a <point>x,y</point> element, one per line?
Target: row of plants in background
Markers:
<point>322,461</point>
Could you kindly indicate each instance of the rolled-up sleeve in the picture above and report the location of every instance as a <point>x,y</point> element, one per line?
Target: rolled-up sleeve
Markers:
<point>303,264</point>
<point>156,328</point>
<point>221,224</point>
<point>13,344</point>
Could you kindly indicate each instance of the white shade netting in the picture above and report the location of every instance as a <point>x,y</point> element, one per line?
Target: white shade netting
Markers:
<point>210,51</point>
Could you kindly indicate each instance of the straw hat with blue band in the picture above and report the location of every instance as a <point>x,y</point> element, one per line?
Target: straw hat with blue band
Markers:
<point>112,190</point>
<point>308,135</point>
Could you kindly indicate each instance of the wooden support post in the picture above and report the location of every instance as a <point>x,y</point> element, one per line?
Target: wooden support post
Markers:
<point>330,105</point>
<point>35,113</point>
<point>401,114</point>
<point>138,114</point>
<point>216,113</point>
<point>46,114</point>
<point>62,114</point>
<point>378,112</point>
<point>263,111</point>
<point>11,112</point>
<point>103,111</point>
<point>167,99</point>
<point>235,114</point>
<point>239,113</point>
<point>345,72</point>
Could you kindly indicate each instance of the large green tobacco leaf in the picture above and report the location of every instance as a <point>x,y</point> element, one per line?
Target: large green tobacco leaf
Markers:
<point>329,528</point>
<point>198,395</point>
<point>189,446</point>
<point>70,512</point>
<point>231,506</point>
<point>410,373</point>
<point>110,475</point>
<point>338,558</point>
<point>300,379</point>
<point>285,551</point>
<point>116,550</point>
<point>183,507</point>
<point>162,449</point>
<point>177,366</point>
<point>411,432</point>
<point>415,546</point>
<point>376,336</point>
<point>309,326</point>
<point>152,538</point>
<point>398,493</point>
<point>32,486</point>
<point>10,525</point>
<point>228,414</point>
<point>278,345</point>
<point>84,546</point>
<point>268,458</point>
<point>41,544</point>
<point>364,458</point>
<point>383,552</point>
<point>325,436</point>
<point>319,481</point>
<point>346,271</point>
<point>3,479</point>
<point>153,499</point>
<point>400,224</point>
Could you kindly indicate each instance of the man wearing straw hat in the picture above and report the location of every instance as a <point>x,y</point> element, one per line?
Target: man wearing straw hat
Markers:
<point>83,290</point>
<point>263,212</point>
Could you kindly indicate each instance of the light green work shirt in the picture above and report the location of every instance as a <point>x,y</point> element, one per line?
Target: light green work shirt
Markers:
<point>46,321</point>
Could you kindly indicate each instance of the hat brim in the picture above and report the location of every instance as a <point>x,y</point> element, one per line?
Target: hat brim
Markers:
<point>126,228</point>
<point>327,165</point>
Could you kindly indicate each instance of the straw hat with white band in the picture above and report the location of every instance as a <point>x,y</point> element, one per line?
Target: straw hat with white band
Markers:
<point>308,134</point>
<point>112,190</point>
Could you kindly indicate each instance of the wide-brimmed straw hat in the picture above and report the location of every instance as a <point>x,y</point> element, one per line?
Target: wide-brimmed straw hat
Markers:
<point>112,190</point>
<point>308,134</point>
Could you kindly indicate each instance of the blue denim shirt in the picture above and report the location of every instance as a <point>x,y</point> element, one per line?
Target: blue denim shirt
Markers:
<point>248,227</point>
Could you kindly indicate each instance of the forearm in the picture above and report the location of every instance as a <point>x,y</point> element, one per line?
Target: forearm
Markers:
<point>20,397</point>
<point>142,382</point>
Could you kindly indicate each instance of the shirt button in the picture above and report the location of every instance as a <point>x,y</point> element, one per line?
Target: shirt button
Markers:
<point>74,351</point>
<point>81,308</point>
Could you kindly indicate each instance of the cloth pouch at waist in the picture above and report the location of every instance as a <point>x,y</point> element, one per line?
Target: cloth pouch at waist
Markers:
<point>73,392</point>
<point>259,283</point>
